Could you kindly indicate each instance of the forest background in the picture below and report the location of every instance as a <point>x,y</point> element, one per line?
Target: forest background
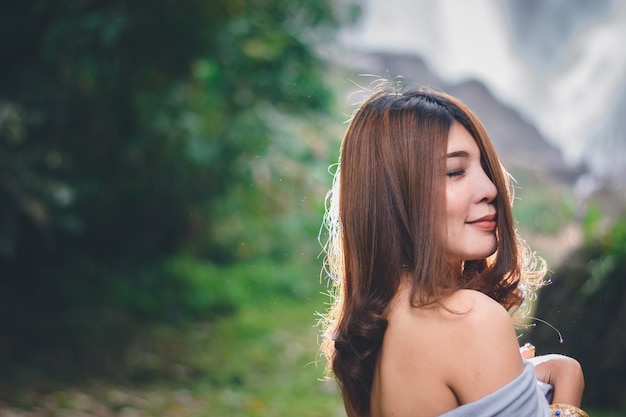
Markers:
<point>163,168</point>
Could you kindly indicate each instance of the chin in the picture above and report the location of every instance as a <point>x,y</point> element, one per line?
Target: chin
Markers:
<point>478,255</point>
<point>473,250</point>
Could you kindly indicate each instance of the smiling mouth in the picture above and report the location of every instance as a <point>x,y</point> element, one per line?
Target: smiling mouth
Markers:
<point>487,223</point>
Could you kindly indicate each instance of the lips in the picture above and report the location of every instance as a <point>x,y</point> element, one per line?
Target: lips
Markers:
<point>487,222</point>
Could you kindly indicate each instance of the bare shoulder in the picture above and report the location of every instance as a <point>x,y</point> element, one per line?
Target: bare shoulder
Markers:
<point>465,313</point>
<point>486,355</point>
<point>480,326</point>
<point>474,307</point>
<point>447,354</point>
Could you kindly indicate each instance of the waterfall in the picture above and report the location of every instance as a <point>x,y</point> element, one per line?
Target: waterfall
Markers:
<point>560,63</point>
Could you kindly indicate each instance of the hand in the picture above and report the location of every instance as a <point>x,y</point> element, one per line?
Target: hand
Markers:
<point>564,374</point>
<point>527,351</point>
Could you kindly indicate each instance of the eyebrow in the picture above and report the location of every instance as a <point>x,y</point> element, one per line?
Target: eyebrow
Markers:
<point>458,154</point>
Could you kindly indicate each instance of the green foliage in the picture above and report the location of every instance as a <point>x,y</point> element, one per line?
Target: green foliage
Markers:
<point>592,220</point>
<point>541,209</point>
<point>260,361</point>
<point>609,261</point>
<point>131,132</point>
<point>87,329</point>
<point>211,289</point>
<point>127,123</point>
<point>585,302</point>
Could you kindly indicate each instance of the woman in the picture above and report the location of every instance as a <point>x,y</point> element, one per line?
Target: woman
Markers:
<point>427,266</point>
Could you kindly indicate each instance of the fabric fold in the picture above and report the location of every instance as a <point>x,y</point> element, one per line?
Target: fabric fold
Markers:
<point>522,397</point>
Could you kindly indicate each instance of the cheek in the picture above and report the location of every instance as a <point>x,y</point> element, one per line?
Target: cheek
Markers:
<point>453,229</point>
<point>455,213</point>
<point>455,232</point>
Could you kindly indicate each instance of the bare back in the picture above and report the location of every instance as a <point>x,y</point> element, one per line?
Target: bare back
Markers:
<point>434,359</point>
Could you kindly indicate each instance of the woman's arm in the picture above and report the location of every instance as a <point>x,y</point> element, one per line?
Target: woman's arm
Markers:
<point>564,374</point>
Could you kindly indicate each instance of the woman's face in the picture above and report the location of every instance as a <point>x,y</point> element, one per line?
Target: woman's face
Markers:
<point>470,214</point>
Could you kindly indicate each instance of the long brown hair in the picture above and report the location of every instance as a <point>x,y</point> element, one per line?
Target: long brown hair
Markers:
<point>384,220</point>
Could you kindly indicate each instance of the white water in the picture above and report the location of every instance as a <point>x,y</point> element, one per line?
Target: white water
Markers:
<point>561,63</point>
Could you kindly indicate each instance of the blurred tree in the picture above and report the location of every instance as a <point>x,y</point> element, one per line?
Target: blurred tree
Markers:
<point>130,130</point>
<point>586,304</point>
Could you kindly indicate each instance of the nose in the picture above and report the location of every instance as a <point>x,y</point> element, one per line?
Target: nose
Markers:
<point>487,191</point>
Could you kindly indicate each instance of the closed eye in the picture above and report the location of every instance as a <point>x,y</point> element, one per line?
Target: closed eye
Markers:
<point>455,173</point>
